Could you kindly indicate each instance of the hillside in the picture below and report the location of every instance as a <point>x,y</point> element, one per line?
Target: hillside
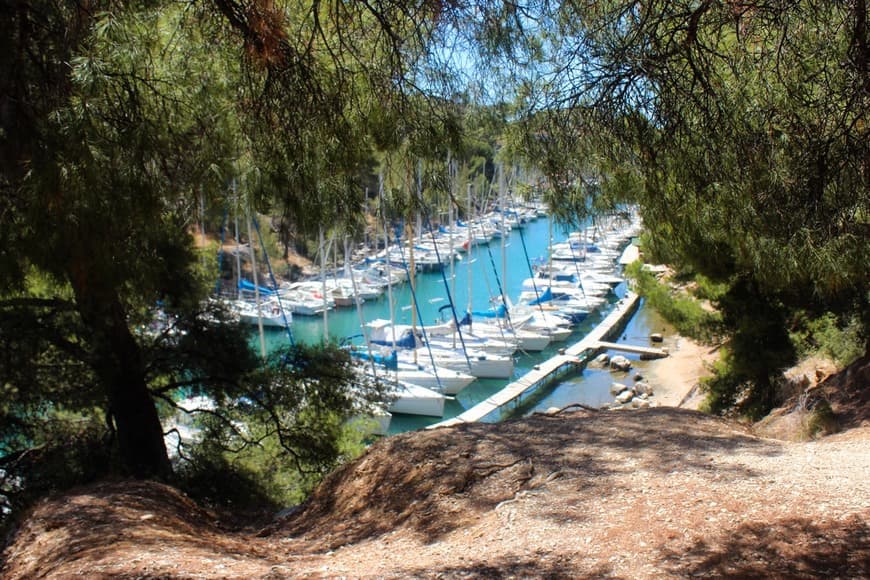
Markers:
<point>656,493</point>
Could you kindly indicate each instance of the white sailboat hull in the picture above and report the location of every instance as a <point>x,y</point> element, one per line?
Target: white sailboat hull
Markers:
<point>416,400</point>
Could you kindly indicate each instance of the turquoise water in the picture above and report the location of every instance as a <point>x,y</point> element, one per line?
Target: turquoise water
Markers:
<point>591,386</point>
<point>431,294</point>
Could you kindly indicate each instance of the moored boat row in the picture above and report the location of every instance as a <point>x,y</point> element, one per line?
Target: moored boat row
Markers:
<point>444,358</point>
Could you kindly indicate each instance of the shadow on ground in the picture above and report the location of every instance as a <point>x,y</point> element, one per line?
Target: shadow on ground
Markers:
<point>793,548</point>
<point>437,481</point>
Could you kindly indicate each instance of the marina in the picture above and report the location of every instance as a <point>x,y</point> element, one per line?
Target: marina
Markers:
<point>583,297</point>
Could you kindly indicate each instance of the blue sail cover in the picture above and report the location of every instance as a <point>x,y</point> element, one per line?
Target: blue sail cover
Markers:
<point>499,312</point>
<point>546,296</point>
<point>561,277</point>
<point>390,362</point>
<point>245,285</point>
<point>407,340</point>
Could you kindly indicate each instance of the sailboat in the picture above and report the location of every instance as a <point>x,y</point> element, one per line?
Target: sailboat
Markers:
<point>409,382</point>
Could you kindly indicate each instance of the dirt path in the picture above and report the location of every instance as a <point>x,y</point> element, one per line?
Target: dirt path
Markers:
<point>657,493</point>
<point>674,378</point>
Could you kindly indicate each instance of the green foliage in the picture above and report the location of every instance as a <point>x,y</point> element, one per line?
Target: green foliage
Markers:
<point>276,439</point>
<point>67,449</point>
<point>841,341</point>
<point>821,421</point>
<point>707,289</point>
<point>742,134</point>
<point>116,122</point>
<point>687,315</point>
<point>726,387</point>
<point>210,477</point>
<point>758,351</point>
<point>265,438</point>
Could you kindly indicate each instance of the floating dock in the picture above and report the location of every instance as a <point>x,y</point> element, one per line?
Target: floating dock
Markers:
<point>645,352</point>
<point>567,360</point>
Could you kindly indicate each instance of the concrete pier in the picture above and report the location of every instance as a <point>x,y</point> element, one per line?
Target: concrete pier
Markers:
<point>545,373</point>
<point>645,352</point>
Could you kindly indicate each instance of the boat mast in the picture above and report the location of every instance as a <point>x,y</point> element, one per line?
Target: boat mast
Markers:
<point>387,256</point>
<point>238,238</point>
<point>451,172</point>
<point>504,230</point>
<point>412,273</point>
<point>256,283</point>
<point>323,284</point>
<point>468,217</point>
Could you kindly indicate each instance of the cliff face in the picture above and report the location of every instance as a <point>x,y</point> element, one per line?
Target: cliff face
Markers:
<point>654,493</point>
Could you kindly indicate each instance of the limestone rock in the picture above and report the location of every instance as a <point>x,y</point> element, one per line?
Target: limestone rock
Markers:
<point>616,388</point>
<point>620,363</point>
<point>602,359</point>
<point>624,397</point>
<point>643,388</point>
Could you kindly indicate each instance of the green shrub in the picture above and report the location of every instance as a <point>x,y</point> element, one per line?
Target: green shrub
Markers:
<point>723,387</point>
<point>72,450</point>
<point>828,336</point>
<point>687,315</point>
<point>821,420</point>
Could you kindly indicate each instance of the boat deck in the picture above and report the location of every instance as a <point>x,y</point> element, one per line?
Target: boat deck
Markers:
<point>546,372</point>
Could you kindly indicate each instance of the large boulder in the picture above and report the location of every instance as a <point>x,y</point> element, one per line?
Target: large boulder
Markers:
<point>616,388</point>
<point>643,388</point>
<point>624,397</point>
<point>620,363</point>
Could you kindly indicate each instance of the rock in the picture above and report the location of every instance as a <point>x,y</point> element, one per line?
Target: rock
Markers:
<point>602,359</point>
<point>624,397</point>
<point>656,337</point>
<point>640,403</point>
<point>643,388</point>
<point>620,363</point>
<point>638,377</point>
<point>552,411</point>
<point>616,388</point>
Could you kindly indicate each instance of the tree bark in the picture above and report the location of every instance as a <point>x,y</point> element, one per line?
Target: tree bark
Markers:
<point>117,361</point>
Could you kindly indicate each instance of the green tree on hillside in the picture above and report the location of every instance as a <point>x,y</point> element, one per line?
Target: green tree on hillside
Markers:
<point>741,130</point>
<point>115,118</point>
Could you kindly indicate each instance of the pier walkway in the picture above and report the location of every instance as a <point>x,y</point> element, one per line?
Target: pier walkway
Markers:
<point>551,369</point>
<point>645,352</point>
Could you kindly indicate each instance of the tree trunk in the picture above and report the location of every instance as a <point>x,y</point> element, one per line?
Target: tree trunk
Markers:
<point>117,361</point>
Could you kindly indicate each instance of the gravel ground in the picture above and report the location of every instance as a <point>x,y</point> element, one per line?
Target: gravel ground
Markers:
<point>655,493</point>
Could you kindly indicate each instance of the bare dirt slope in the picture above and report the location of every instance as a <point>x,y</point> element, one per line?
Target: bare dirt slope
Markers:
<point>656,493</point>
